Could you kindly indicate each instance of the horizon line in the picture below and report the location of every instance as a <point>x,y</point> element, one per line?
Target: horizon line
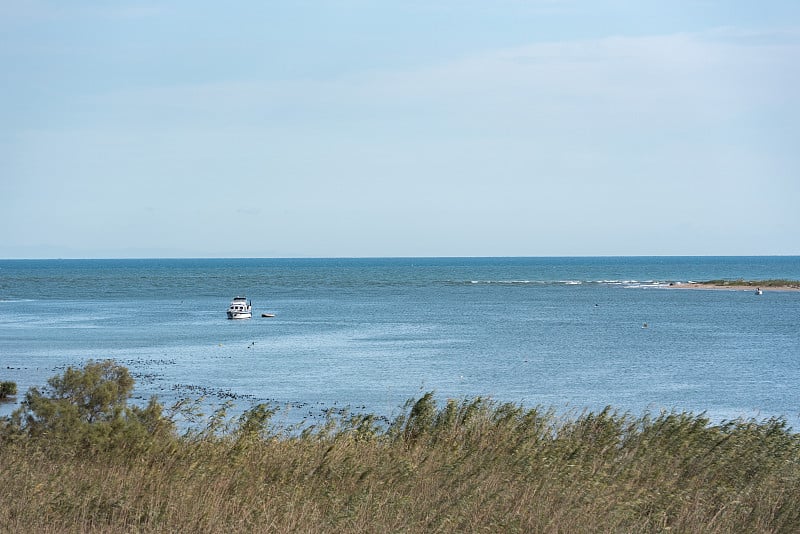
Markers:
<point>790,255</point>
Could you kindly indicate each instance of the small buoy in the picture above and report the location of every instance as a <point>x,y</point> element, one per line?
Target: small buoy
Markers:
<point>644,325</point>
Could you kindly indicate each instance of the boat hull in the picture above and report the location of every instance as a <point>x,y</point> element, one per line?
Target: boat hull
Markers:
<point>239,315</point>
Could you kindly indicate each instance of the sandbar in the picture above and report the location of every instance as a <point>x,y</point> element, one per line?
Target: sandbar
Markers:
<point>731,286</point>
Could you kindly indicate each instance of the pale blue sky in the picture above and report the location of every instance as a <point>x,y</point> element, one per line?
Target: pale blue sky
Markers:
<point>340,128</point>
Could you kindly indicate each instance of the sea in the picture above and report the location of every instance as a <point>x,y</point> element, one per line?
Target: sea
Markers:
<point>366,335</point>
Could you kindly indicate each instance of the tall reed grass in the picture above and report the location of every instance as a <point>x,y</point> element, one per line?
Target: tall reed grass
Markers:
<point>472,465</point>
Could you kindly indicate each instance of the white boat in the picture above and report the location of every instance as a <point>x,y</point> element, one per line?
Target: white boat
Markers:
<point>240,308</point>
<point>759,292</point>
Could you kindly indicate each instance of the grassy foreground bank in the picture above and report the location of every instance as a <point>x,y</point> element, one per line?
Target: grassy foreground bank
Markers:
<point>76,458</point>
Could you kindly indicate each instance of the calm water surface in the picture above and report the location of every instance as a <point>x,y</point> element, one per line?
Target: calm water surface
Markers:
<point>371,333</point>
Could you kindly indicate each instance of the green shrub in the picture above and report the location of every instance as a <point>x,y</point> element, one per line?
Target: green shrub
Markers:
<point>7,389</point>
<point>88,407</point>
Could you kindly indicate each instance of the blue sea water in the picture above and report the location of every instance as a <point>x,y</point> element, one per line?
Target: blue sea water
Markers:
<point>369,334</point>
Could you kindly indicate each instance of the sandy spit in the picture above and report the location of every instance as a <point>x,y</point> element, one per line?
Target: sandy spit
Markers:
<point>696,285</point>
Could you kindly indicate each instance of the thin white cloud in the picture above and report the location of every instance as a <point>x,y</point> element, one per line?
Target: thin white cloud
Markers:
<point>663,78</point>
<point>629,74</point>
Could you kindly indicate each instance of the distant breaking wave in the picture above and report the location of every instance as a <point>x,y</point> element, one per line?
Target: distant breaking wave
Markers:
<point>506,282</point>
<point>619,283</point>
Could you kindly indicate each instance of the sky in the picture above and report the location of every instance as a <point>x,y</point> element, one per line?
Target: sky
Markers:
<point>373,128</point>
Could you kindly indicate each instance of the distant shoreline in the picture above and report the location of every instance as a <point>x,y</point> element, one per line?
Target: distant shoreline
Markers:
<point>737,285</point>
